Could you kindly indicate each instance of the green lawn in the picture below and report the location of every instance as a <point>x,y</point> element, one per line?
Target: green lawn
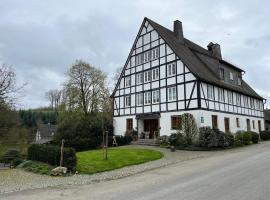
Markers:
<point>90,162</point>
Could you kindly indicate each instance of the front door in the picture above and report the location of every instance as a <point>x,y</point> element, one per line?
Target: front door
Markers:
<point>227,124</point>
<point>150,127</point>
<point>259,126</point>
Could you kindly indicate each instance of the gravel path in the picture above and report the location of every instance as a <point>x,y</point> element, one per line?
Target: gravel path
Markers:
<point>12,180</point>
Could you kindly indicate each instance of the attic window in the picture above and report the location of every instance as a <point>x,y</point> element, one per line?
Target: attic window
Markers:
<point>239,80</point>
<point>231,76</point>
<point>221,73</point>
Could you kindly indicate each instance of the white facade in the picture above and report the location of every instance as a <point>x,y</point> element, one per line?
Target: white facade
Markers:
<point>155,82</point>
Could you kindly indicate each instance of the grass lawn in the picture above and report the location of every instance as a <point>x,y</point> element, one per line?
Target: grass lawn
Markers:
<point>90,162</point>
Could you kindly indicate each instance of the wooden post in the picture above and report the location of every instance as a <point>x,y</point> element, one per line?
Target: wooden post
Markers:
<point>62,153</point>
<point>106,157</point>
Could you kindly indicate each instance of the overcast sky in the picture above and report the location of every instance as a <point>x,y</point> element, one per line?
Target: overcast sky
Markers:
<point>41,39</point>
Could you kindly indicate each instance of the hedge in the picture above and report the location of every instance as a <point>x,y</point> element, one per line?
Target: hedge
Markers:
<point>51,154</point>
<point>265,135</point>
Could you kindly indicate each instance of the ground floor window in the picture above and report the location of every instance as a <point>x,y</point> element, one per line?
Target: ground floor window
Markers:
<point>227,124</point>
<point>259,125</point>
<point>253,124</point>
<point>129,124</point>
<point>214,121</point>
<point>248,124</point>
<point>237,122</point>
<point>175,122</point>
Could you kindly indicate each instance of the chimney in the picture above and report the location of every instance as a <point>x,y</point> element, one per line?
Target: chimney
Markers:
<point>178,31</point>
<point>214,49</point>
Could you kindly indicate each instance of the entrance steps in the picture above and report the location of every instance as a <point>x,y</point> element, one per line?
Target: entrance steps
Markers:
<point>146,142</point>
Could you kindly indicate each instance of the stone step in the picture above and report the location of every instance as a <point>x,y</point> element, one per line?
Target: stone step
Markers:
<point>147,142</point>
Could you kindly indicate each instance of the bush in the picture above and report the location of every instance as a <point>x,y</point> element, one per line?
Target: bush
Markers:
<point>265,135</point>
<point>176,139</point>
<point>121,140</point>
<point>214,138</point>
<point>10,155</point>
<point>247,138</point>
<point>51,154</point>
<point>36,167</point>
<point>254,137</point>
<point>243,138</point>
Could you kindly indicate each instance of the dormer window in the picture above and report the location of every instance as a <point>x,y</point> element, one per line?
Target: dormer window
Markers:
<point>239,80</point>
<point>231,76</point>
<point>221,73</point>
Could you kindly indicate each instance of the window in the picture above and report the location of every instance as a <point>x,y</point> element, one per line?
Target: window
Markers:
<point>231,76</point>
<point>147,76</point>
<point>147,56</point>
<point>221,95</point>
<point>246,101</point>
<point>238,99</point>
<point>214,121</point>
<point>237,123</point>
<point>259,125</point>
<point>129,124</point>
<point>155,96</point>
<point>176,122</point>
<point>128,101</point>
<point>147,97</point>
<point>248,124</point>
<point>253,124</point>
<point>128,81</point>
<point>239,80</point>
<point>221,73</point>
<point>210,92</point>
<point>227,124</point>
<point>155,74</point>
<point>230,97</point>
<point>171,69</point>
<point>171,93</point>
<point>139,78</point>
<point>252,105</point>
<point>139,99</point>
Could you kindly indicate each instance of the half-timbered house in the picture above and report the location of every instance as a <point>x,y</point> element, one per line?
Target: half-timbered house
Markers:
<point>167,75</point>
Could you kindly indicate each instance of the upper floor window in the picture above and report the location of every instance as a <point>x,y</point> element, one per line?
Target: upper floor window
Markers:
<point>172,93</point>
<point>239,80</point>
<point>147,56</point>
<point>171,69</point>
<point>128,81</point>
<point>139,97</point>
<point>155,96</point>
<point>230,97</point>
<point>246,104</point>
<point>147,97</point>
<point>221,95</point>
<point>221,73</point>
<point>139,78</point>
<point>128,101</point>
<point>147,76</point>
<point>231,76</point>
<point>210,92</point>
<point>252,104</point>
<point>238,99</point>
<point>155,74</point>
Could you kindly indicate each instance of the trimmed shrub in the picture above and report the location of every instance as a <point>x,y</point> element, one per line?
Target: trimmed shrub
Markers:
<point>265,135</point>
<point>243,138</point>
<point>247,138</point>
<point>121,140</point>
<point>254,137</point>
<point>176,139</point>
<point>51,154</point>
<point>210,138</point>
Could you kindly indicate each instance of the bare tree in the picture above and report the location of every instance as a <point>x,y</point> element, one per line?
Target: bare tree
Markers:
<point>85,87</point>
<point>54,96</point>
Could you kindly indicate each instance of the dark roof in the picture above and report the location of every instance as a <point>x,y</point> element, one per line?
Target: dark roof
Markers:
<point>187,52</point>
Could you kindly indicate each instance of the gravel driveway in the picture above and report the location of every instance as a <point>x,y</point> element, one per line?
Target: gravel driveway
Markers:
<point>16,179</point>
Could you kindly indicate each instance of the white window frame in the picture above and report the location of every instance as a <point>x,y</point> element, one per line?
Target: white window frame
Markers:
<point>172,93</point>
<point>139,98</point>
<point>127,101</point>
<point>171,69</point>
<point>230,97</point>
<point>155,74</point>
<point>210,91</point>
<point>239,80</point>
<point>231,76</point>
<point>147,98</point>
<point>147,76</point>
<point>139,78</point>
<point>221,95</point>
<point>128,81</point>
<point>155,96</point>
<point>238,99</point>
